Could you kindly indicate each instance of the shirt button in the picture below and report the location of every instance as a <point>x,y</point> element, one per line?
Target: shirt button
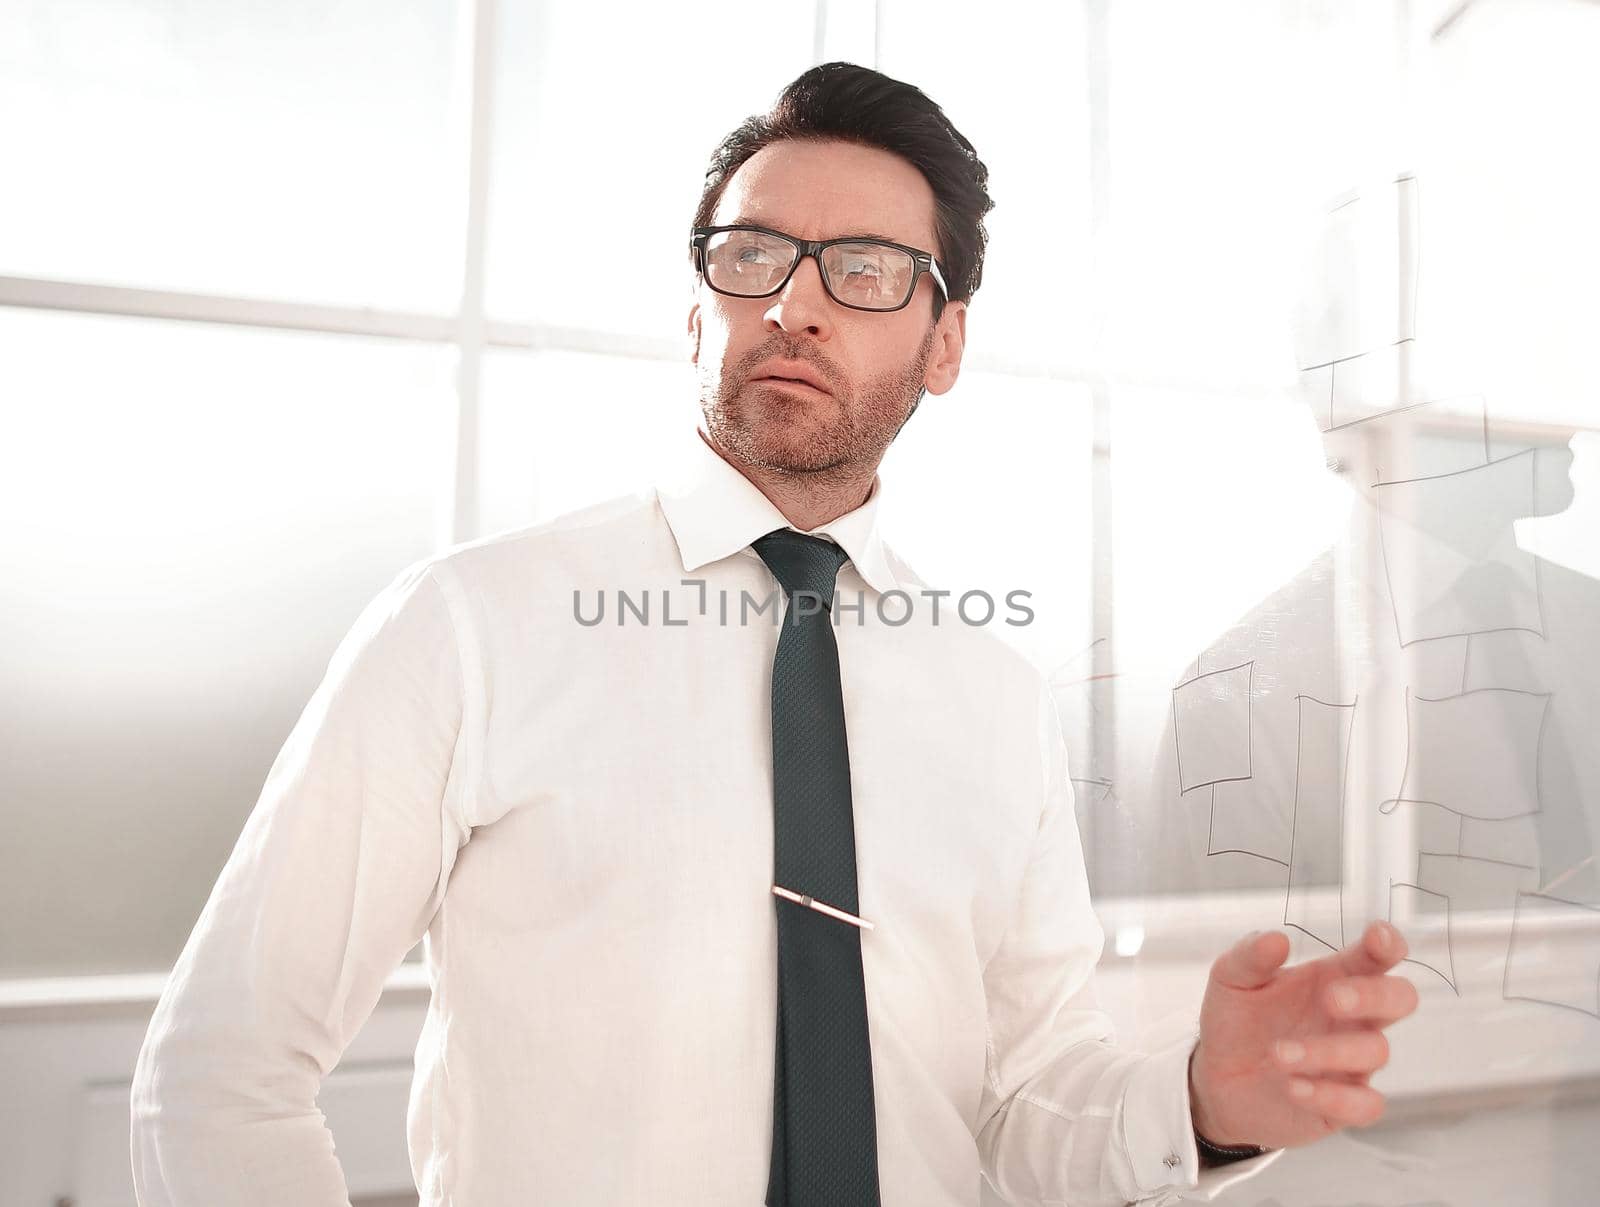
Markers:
<point>1171,1161</point>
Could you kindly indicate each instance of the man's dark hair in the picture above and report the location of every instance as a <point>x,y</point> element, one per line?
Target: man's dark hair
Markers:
<point>851,103</point>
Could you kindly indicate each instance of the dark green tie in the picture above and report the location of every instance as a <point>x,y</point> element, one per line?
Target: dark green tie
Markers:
<point>824,1133</point>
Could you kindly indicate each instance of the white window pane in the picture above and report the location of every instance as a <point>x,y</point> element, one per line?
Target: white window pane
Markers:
<point>1229,124</point>
<point>561,430</point>
<point>988,487</point>
<point>195,516</point>
<point>600,154</point>
<point>1018,94</point>
<point>288,149</point>
<point>1510,247</point>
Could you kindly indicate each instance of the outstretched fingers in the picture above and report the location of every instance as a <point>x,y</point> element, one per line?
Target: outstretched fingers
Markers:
<point>1379,1000</point>
<point>1359,1053</point>
<point>1251,962</point>
<point>1379,949</point>
<point>1341,1103</point>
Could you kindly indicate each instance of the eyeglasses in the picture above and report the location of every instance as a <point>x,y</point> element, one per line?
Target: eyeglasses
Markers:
<point>863,274</point>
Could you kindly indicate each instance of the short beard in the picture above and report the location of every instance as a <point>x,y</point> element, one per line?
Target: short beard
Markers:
<point>869,419</point>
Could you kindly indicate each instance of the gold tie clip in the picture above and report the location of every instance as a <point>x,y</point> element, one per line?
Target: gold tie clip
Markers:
<point>812,903</point>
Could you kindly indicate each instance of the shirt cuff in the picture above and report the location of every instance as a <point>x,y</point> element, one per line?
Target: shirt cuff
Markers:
<point>1158,1128</point>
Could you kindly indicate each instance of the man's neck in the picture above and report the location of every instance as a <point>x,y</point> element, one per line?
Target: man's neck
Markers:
<point>807,499</point>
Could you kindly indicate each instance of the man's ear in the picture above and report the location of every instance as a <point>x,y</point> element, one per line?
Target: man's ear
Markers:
<point>949,341</point>
<point>694,333</point>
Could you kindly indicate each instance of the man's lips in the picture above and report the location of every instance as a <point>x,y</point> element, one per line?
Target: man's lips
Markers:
<point>791,372</point>
<point>791,384</point>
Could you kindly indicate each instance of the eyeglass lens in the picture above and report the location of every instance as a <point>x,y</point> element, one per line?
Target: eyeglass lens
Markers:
<point>873,276</point>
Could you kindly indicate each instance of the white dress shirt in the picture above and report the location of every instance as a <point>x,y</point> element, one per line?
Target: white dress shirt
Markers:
<point>577,820</point>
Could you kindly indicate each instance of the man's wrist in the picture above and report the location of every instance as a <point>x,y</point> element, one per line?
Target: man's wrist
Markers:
<point>1212,1153</point>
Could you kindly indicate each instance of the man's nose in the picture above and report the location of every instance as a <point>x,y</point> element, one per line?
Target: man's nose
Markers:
<point>803,304</point>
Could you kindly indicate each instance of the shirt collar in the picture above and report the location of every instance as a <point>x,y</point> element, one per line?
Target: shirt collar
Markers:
<point>714,511</point>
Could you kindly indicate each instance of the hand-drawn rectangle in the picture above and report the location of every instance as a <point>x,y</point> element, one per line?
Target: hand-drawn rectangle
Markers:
<point>1555,953</point>
<point>1211,725</point>
<point>1476,753</point>
<point>1321,775</point>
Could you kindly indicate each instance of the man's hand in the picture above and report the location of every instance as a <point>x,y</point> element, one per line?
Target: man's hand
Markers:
<point>1285,1053</point>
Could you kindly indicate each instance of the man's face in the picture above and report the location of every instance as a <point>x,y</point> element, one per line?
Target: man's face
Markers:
<point>873,365</point>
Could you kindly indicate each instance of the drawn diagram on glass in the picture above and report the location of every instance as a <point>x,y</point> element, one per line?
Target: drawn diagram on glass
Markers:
<point>1101,788</point>
<point>1211,727</point>
<point>1322,774</point>
<point>1514,842</point>
<point>1365,297</point>
<point>1555,953</point>
<point>1073,685</point>
<point>1475,754</point>
<point>1409,449</point>
<point>1433,951</point>
<point>1475,882</point>
<point>1368,386</point>
<point>1450,553</point>
<point>1239,825</point>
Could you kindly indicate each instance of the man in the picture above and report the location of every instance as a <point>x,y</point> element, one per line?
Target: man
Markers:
<point>688,944</point>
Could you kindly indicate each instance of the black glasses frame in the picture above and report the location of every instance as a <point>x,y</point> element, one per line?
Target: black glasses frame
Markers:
<point>923,263</point>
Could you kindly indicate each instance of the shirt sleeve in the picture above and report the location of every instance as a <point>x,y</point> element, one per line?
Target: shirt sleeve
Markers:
<point>1065,1115</point>
<point>335,876</point>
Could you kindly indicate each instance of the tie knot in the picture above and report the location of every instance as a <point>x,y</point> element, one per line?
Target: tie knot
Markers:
<point>800,562</point>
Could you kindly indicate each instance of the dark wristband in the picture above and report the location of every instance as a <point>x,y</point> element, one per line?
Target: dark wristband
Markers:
<point>1218,1154</point>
